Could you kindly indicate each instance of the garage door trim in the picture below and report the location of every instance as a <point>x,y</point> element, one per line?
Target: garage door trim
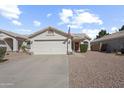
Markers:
<point>52,40</point>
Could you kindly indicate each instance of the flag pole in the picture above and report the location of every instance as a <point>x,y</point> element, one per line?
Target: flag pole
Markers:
<point>67,39</point>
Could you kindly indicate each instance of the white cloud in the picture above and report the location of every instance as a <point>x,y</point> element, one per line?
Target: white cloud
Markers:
<point>65,14</point>
<point>15,22</point>
<point>87,17</point>
<point>91,32</point>
<point>10,11</point>
<point>48,15</point>
<point>114,29</point>
<point>76,18</point>
<point>36,23</point>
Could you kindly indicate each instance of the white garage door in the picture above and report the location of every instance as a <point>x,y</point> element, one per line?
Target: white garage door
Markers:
<point>49,47</point>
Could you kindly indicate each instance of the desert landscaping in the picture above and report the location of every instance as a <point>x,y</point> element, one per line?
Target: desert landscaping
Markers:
<point>96,69</point>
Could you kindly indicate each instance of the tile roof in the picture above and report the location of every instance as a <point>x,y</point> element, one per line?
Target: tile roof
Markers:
<point>49,28</point>
<point>75,36</point>
<point>12,34</point>
<point>119,34</point>
<point>81,36</point>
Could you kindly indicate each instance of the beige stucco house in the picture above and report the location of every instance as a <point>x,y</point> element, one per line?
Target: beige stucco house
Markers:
<point>50,41</point>
<point>11,40</point>
<point>46,41</point>
<point>53,41</point>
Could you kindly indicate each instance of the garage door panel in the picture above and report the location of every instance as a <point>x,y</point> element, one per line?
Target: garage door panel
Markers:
<point>50,47</point>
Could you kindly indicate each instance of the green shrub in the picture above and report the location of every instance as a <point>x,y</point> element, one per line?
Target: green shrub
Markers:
<point>2,53</point>
<point>83,48</point>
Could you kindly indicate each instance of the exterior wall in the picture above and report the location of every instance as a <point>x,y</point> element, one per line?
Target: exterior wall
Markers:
<point>95,46</point>
<point>53,42</point>
<point>15,44</point>
<point>45,35</point>
<point>112,45</point>
<point>69,45</point>
<point>115,44</point>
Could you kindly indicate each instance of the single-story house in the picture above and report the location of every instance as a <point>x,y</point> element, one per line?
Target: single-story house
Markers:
<point>109,43</point>
<point>46,41</point>
<point>53,41</point>
<point>11,40</point>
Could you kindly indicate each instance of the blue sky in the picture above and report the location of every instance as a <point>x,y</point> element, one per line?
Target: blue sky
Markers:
<point>82,19</point>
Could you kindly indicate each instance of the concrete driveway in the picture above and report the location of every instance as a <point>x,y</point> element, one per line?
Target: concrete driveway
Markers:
<point>43,71</point>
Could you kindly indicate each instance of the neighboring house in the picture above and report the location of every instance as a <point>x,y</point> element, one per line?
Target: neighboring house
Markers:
<point>109,43</point>
<point>53,41</point>
<point>11,40</point>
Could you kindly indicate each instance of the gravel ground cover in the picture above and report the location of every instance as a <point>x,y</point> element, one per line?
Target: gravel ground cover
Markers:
<point>96,70</point>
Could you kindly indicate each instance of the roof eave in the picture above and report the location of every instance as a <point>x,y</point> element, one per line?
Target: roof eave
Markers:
<point>49,28</point>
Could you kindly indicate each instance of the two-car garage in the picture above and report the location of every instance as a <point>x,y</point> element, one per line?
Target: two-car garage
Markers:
<point>50,47</point>
<point>49,41</point>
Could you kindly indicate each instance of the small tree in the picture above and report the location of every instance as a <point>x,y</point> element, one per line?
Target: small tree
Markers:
<point>23,47</point>
<point>2,53</point>
<point>101,34</point>
<point>122,28</point>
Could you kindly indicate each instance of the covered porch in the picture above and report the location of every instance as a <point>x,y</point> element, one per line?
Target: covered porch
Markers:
<point>77,41</point>
<point>12,44</point>
<point>11,40</point>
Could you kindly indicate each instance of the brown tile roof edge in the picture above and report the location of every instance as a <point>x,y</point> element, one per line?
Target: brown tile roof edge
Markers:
<point>115,35</point>
<point>58,31</point>
<point>10,33</point>
<point>49,28</point>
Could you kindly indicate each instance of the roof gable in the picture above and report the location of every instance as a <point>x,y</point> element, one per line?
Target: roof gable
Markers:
<point>49,29</point>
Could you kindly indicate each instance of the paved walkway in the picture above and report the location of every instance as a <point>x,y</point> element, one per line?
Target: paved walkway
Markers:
<point>35,72</point>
